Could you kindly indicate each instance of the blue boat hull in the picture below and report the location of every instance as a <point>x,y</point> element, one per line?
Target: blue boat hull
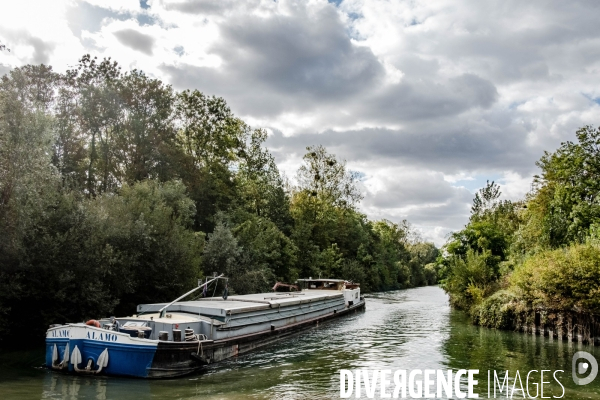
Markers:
<point>124,356</point>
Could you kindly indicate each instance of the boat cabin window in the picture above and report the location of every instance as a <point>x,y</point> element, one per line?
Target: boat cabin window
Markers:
<point>323,285</point>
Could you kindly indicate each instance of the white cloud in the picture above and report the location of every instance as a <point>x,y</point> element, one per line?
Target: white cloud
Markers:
<point>428,99</point>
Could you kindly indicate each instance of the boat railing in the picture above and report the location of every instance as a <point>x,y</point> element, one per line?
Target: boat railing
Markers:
<point>163,310</point>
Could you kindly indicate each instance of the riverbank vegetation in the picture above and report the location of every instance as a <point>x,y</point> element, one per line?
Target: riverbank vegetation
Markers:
<point>538,254</point>
<point>116,189</point>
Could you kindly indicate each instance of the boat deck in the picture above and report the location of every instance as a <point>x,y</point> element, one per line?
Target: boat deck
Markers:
<point>237,304</point>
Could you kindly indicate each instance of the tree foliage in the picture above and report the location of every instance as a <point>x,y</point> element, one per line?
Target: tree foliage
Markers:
<point>325,177</point>
<point>116,189</point>
<point>538,253</point>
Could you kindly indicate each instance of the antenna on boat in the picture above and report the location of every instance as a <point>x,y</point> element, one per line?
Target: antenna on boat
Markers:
<point>163,310</point>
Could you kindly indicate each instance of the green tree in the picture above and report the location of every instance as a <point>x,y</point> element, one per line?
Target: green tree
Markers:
<point>485,199</point>
<point>474,254</point>
<point>569,188</point>
<point>470,279</point>
<point>261,186</point>
<point>221,251</point>
<point>109,179</point>
<point>89,257</point>
<point>390,255</point>
<point>99,116</point>
<point>423,256</point>
<point>323,176</point>
<point>266,247</point>
<point>145,146</point>
<point>150,225</point>
<point>27,178</point>
<point>213,140</point>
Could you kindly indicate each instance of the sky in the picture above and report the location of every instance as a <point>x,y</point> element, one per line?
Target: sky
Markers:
<point>425,99</point>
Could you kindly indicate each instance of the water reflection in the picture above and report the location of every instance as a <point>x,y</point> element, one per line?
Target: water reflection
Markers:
<point>62,386</point>
<point>485,349</point>
<point>410,329</point>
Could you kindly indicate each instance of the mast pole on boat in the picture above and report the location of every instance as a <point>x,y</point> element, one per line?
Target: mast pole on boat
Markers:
<point>163,310</point>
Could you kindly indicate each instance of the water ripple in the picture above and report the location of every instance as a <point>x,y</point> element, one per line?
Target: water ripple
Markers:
<point>406,329</point>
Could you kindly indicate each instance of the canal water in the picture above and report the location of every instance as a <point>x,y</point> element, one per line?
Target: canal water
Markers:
<point>406,329</point>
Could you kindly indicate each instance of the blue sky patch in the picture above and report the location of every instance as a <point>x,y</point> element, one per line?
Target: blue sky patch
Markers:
<point>478,182</point>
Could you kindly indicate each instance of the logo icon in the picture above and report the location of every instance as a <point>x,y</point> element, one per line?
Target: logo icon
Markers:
<point>579,368</point>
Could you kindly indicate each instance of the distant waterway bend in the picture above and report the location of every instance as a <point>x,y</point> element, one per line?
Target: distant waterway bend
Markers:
<point>405,329</point>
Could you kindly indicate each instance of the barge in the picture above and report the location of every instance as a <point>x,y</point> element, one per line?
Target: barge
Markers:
<point>167,340</point>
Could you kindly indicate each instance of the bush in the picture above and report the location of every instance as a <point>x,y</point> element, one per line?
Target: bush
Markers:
<point>497,311</point>
<point>470,280</point>
<point>563,279</point>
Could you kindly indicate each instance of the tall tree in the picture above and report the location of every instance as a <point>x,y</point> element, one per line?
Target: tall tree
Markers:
<point>145,142</point>
<point>485,199</point>
<point>324,176</point>
<point>261,185</point>
<point>569,189</point>
<point>26,137</point>
<point>28,183</point>
<point>212,140</point>
<point>99,117</point>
